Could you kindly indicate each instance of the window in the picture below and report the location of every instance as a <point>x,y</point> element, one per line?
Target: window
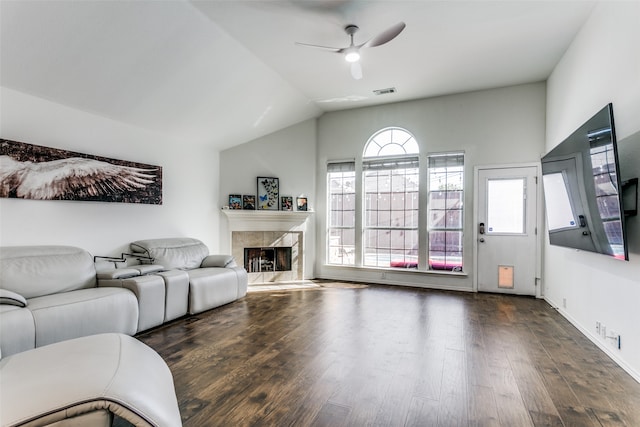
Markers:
<point>390,172</point>
<point>389,224</point>
<point>444,206</point>
<point>341,184</point>
<point>506,205</point>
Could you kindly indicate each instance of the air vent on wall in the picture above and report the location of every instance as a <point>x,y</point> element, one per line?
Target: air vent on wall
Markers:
<point>385,91</point>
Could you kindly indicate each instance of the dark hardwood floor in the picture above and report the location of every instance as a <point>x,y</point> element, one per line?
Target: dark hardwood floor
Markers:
<point>357,355</point>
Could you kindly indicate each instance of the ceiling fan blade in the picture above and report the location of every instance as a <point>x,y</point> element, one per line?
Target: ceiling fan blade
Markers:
<point>315,46</point>
<point>356,70</point>
<point>385,36</point>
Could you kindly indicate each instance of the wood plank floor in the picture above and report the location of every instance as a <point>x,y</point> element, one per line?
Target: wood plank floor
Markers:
<point>358,355</point>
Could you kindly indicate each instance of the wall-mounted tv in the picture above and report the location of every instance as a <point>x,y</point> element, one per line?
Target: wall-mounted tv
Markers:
<point>583,190</point>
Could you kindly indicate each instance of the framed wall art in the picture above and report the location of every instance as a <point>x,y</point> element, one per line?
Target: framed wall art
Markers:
<point>286,203</point>
<point>235,201</point>
<point>44,173</point>
<point>268,193</point>
<point>249,201</point>
<point>301,203</point>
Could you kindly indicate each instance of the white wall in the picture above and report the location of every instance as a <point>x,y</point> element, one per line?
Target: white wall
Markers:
<point>498,126</point>
<point>190,187</point>
<point>601,66</point>
<point>289,155</point>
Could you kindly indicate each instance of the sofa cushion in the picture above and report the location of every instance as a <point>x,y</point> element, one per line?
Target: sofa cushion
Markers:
<point>178,252</point>
<point>34,271</point>
<point>12,298</point>
<point>84,312</point>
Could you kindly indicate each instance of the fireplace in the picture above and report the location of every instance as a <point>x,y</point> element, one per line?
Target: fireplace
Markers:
<point>271,245</point>
<point>259,260</point>
<point>269,256</point>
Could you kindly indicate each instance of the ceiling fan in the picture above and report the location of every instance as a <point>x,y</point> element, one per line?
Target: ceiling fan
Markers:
<point>352,52</point>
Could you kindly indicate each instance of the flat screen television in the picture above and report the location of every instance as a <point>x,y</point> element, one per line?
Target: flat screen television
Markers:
<point>583,190</point>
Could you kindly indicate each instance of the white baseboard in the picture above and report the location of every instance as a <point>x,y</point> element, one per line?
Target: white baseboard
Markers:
<point>596,340</point>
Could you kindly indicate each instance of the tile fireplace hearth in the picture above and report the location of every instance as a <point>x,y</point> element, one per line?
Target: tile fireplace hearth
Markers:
<point>262,247</point>
<point>270,245</point>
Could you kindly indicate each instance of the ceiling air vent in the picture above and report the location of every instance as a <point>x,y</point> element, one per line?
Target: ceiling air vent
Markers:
<point>385,91</point>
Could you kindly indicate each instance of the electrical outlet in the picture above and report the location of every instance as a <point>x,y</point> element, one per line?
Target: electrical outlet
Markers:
<point>603,331</point>
<point>598,327</point>
<point>564,303</point>
<point>383,275</point>
<point>616,341</point>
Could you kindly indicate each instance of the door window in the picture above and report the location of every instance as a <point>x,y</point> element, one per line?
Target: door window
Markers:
<point>506,206</point>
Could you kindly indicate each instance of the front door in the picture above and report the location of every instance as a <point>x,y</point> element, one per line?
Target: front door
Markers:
<point>506,230</point>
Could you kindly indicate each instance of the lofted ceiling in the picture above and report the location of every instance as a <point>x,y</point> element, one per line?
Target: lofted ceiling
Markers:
<point>225,72</point>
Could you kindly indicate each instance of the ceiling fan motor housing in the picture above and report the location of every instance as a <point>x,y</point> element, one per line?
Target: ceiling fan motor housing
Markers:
<point>351,29</point>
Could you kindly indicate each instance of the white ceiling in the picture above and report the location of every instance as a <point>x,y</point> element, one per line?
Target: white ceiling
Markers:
<point>226,72</point>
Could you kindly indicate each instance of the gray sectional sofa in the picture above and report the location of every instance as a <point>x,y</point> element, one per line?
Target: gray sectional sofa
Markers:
<point>214,280</point>
<point>54,293</point>
<point>66,355</point>
<point>50,294</point>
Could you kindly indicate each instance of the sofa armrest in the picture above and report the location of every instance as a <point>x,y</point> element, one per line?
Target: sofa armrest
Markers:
<point>110,372</point>
<point>148,268</point>
<point>117,273</point>
<point>227,261</point>
<point>12,298</point>
<point>150,293</point>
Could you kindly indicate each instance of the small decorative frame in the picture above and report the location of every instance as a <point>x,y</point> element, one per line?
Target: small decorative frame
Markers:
<point>268,193</point>
<point>235,201</point>
<point>286,203</point>
<point>248,201</point>
<point>301,203</point>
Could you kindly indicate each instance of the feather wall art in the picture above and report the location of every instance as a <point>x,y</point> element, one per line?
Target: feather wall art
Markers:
<point>30,171</point>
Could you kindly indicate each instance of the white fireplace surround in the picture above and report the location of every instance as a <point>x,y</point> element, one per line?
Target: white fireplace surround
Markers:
<point>270,229</point>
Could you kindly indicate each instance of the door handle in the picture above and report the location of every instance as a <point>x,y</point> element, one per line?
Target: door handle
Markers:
<point>481,228</point>
<point>481,240</point>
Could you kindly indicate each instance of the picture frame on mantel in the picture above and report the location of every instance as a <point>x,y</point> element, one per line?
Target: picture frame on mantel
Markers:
<point>301,204</point>
<point>268,193</point>
<point>286,203</point>
<point>235,201</point>
<point>248,202</point>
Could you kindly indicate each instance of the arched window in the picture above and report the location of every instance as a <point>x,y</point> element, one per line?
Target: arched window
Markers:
<point>391,142</point>
<point>391,181</point>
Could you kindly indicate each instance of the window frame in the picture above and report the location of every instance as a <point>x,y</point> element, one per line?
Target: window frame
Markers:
<point>383,244</point>
<point>342,168</point>
<point>456,161</point>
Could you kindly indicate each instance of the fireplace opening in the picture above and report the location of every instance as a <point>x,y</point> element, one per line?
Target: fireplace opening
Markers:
<point>259,260</point>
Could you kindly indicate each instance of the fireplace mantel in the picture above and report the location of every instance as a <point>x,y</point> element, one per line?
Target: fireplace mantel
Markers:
<point>265,214</point>
<point>247,220</point>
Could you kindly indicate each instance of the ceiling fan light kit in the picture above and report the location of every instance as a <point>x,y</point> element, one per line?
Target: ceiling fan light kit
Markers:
<point>352,52</point>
